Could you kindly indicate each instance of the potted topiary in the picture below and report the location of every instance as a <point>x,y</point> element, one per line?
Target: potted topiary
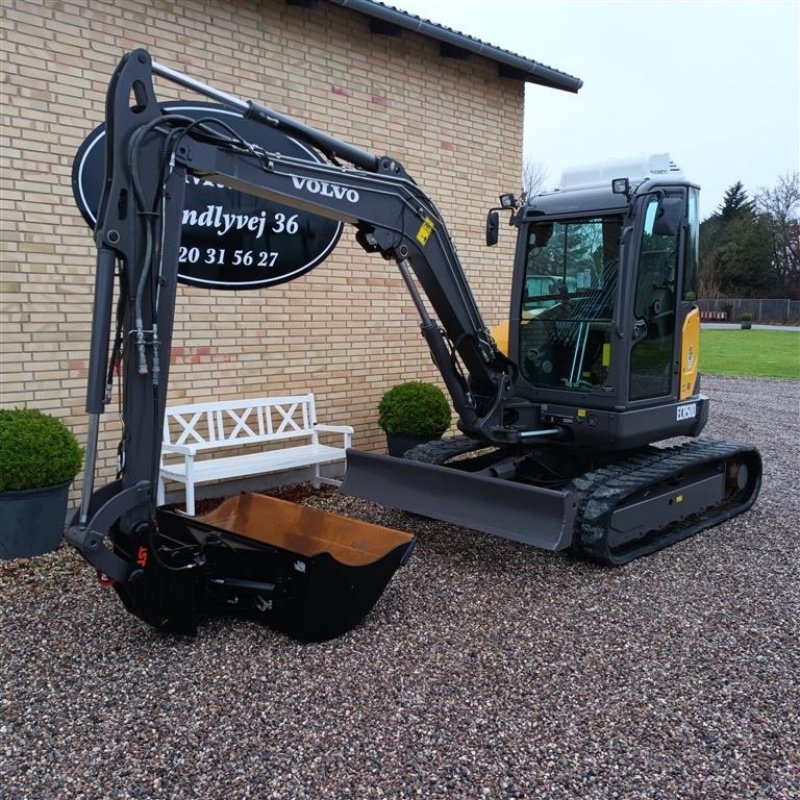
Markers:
<point>411,414</point>
<point>39,458</point>
<point>746,320</point>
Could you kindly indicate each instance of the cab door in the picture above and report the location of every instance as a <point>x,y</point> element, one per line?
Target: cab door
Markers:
<point>658,277</point>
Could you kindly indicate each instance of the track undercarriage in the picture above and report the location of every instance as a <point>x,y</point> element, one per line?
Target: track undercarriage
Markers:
<point>605,507</point>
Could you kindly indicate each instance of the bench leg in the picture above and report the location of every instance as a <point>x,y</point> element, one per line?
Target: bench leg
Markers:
<point>190,499</point>
<point>316,481</point>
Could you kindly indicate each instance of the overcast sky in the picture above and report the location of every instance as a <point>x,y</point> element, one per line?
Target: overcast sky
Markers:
<point>716,83</point>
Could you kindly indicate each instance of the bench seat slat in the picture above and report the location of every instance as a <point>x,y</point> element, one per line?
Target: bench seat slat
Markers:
<point>255,463</point>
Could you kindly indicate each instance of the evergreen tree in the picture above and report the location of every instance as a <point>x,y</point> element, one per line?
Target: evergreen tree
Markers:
<point>742,262</point>
<point>735,249</point>
<point>736,204</point>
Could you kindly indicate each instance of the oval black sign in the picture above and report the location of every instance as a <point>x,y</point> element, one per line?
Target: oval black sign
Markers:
<point>229,240</point>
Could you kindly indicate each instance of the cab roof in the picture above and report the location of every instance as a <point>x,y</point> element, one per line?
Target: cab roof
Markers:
<point>587,189</point>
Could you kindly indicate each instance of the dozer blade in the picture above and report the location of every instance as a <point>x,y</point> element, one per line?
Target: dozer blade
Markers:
<point>306,572</point>
<point>523,513</point>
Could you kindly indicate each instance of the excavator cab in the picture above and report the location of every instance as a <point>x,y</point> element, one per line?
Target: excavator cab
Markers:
<point>603,316</point>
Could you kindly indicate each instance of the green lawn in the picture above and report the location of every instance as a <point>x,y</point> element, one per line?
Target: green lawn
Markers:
<point>761,354</point>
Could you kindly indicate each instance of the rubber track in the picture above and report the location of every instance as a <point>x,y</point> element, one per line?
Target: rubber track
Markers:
<point>601,491</point>
<point>442,450</point>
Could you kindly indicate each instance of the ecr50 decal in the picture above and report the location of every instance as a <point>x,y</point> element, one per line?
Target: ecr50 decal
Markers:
<point>688,411</point>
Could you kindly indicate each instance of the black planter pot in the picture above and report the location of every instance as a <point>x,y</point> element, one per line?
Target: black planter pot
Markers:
<point>746,326</point>
<point>399,443</point>
<point>32,520</point>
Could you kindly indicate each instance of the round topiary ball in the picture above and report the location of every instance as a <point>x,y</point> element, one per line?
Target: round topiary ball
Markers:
<point>414,408</point>
<point>36,450</point>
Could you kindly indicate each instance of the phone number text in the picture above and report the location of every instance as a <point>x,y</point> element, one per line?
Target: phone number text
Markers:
<point>216,256</point>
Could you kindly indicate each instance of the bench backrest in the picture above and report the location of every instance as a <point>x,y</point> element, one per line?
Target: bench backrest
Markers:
<point>232,422</point>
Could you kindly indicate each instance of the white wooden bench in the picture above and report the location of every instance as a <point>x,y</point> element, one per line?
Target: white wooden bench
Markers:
<point>714,316</point>
<point>192,430</point>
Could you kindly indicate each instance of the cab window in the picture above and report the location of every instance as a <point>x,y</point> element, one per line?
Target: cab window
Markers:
<point>567,303</point>
<point>654,310</point>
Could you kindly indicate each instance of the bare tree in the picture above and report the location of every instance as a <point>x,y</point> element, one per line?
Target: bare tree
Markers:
<point>534,176</point>
<point>781,206</point>
<point>709,285</point>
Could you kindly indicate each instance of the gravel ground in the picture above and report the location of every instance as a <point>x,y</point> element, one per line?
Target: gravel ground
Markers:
<point>487,670</point>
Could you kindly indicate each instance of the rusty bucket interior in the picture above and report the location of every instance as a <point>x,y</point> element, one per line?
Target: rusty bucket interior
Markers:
<point>309,573</point>
<point>304,530</point>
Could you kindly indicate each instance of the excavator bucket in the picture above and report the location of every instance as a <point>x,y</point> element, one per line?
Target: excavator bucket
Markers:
<point>308,573</point>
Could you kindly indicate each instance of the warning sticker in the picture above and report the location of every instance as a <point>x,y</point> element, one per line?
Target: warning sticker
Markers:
<point>425,231</point>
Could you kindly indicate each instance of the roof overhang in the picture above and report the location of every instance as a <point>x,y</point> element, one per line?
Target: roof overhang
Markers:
<point>390,21</point>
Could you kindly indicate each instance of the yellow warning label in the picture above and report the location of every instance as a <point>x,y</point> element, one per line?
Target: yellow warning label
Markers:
<point>425,231</point>
<point>581,413</point>
<point>606,354</point>
<point>679,498</point>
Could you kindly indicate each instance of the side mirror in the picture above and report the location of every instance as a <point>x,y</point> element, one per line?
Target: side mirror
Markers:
<point>669,216</point>
<point>492,228</point>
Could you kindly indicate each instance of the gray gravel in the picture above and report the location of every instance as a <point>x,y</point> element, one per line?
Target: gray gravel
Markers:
<point>487,670</point>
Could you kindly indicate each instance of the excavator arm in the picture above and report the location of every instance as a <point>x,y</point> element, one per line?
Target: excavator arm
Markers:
<point>395,218</point>
<point>149,156</point>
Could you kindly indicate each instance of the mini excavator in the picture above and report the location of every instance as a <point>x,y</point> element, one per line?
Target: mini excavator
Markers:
<point>558,421</point>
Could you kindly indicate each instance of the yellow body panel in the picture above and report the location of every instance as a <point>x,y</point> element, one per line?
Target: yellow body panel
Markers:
<point>690,354</point>
<point>500,335</point>
<point>500,332</point>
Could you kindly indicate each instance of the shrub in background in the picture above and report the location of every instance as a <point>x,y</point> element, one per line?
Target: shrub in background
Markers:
<point>36,450</point>
<point>414,408</point>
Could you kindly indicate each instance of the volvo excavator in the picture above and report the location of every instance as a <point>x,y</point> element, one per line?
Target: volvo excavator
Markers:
<point>559,423</point>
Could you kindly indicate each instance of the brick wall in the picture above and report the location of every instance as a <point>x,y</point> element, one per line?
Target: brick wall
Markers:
<point>347,330</point>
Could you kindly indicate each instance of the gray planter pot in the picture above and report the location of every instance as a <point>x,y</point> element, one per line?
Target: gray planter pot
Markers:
<point>399,443</point>
<point>32,520</point>
<point>746,326</point>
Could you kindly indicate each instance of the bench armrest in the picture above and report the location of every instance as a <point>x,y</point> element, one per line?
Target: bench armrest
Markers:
<point>183,449</point>
<point>345,430</point>
<point>336,428</point>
